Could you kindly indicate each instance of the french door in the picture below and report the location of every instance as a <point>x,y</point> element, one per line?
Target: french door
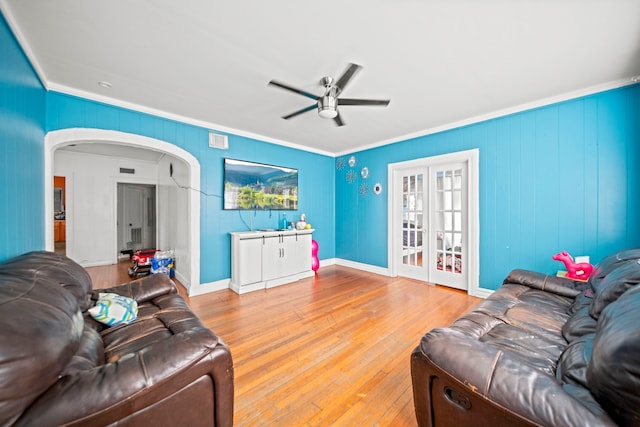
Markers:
<point>432,222</point>
<point>448,225</point>
<point>411,187</point>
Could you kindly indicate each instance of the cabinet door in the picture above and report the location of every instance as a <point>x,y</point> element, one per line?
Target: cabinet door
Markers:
<point>272,257</point>
<point>297,250</point>
<point>249,261</point>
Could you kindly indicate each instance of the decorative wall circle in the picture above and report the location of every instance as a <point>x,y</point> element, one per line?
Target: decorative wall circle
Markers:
<point>377,188</point>
<point>340,163</point>
<point>364,172</point>
<point>352,161</point>
<point>351,176</point>
<point>364,190</point>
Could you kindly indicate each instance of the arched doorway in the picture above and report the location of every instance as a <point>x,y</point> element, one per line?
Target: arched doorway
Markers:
<point>189,267</point>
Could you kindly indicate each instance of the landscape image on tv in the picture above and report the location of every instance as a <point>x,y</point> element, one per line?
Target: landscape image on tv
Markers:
<point>257,186</point>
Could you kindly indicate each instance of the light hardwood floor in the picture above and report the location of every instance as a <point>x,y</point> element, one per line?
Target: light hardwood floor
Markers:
<point>332,350</point>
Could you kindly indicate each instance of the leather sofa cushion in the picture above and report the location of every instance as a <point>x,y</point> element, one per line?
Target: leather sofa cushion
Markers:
<point>51,269</point>
<point>522,321</point>
<point>553,284</point>
<point>579,325</point>
<point>609,263</point>
<point>572,366</point>
<point>614,372</point>
<point>90,353</point>
<point>614,284</point>
<point>581,301</point>
<point>41,330</point>
<point>584,396</point>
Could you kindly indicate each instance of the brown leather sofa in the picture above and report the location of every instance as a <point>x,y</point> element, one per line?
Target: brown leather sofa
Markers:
<point>541,350</point>
<point>58,366</point>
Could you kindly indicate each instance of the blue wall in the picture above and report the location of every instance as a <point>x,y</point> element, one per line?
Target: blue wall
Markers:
<point>315,175</point>
<point>564,176</point>
<point>22,117</point>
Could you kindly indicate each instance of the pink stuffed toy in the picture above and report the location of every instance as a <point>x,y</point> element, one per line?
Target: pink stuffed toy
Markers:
<point>576,271</point>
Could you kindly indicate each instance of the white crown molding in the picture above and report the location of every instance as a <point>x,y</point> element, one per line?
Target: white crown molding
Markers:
<point>182,119</point>
<point>499,113</point>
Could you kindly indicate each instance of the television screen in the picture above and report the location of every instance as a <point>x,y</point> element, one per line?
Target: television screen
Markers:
<point>256,186</point>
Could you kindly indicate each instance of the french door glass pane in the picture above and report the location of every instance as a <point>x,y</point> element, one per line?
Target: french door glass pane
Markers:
<point>412,219</point>
<point>448,221</point>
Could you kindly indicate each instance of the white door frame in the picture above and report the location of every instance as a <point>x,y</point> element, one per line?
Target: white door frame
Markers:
<point>471,158</point>
<point>59,138</point>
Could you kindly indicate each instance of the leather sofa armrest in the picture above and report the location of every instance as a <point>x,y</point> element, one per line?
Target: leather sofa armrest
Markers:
<point>143,289</point>
<point>111,392</point>
<point>500,377</point>
<point>557,285</point>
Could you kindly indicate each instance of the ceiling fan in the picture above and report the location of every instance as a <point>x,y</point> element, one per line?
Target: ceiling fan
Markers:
<point>328,103</point>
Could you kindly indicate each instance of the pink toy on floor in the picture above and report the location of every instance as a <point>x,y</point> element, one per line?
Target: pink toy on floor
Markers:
<point>315,262</point>
<point>577,271</point>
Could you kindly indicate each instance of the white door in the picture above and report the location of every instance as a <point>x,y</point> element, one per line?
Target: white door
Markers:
<point>411,188</point>
<point>434,220</point>
<point>136,216</point>
<point>448,225</point>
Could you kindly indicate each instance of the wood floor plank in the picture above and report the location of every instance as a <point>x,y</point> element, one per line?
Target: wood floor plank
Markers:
<point>331,350</point>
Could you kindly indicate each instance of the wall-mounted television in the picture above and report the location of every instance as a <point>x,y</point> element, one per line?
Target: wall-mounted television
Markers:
<point>258,186</point>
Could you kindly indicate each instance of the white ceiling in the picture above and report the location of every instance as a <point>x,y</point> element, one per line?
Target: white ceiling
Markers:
<point>442,63</point>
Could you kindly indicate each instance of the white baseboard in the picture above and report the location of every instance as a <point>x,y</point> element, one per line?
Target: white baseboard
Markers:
<point>327,262</point>
<point>182,279</point>
<point>86,264</point>
<point>480,292</point>
<point>205,288</point>
<point>365,267</point>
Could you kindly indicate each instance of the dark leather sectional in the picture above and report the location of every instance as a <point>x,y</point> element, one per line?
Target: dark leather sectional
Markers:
<point>58,366</point>
<point>541,350</point>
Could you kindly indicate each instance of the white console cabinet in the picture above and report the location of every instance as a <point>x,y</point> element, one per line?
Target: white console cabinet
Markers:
<point>264,259</point>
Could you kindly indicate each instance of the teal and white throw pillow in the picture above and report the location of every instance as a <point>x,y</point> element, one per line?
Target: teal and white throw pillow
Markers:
<point>113,309</point>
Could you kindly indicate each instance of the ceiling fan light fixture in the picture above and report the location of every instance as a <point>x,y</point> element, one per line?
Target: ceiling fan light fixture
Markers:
<point>327,107</point>
<point>327,104</point>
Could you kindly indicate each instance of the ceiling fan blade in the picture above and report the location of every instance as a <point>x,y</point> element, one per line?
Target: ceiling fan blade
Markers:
<point>347,76</point>
<point>304,110</point>
<point>349,101</point>
<point>293,89</point>
<point>338,120</point>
